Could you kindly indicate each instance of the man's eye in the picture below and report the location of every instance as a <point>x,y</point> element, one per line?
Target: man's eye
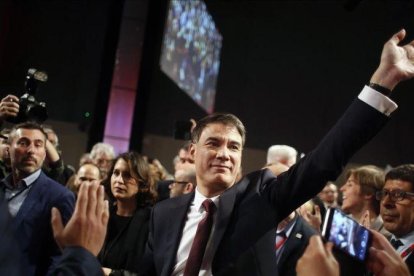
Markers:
<point>234,147</point>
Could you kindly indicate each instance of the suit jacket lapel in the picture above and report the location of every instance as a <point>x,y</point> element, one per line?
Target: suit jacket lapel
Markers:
<point>33,198</point>
<point>226,206</point>
<point>176,221</point>
<point>265,253</point>
<point>293,242</point>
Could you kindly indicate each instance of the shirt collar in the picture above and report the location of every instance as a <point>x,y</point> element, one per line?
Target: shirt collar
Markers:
<point>199,199</point>
<point>27,181</point>
<point>407,239</point>
<point>289,227</point>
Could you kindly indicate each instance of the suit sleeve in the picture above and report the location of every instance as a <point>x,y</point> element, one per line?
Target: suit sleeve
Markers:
<point>359,124</point>
<point>78,261</point>
<point>65,203</point>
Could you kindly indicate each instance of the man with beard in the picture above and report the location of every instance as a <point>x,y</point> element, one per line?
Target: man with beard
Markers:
<point>30,196</point>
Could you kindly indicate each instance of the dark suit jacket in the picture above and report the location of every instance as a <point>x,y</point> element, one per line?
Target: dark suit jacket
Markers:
<point>257,203</point>
<point>32,228</point>
<point>126,250</point>
<point>264,256</point>
<point>410,263</point>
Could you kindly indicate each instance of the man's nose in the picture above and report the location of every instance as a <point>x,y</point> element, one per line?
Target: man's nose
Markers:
<point>223,153</point>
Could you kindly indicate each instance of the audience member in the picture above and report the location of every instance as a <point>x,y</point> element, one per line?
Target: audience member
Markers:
<point>397,210</point>
<point>30,195</point>
<point>131,187</point>
<point>85,158</point>
<point>184,182</point>
<point>5,168</point>
<point>281,154</point>
<point>260,200</point>
<point>102,154</point>
<point>184,159</point>
<point>359,199</point>
<point>87,173</point>
<point>54,166</point>
<point>329,195</point>
<point>280,248</point>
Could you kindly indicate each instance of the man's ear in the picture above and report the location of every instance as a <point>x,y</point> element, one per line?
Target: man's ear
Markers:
<point>189,187</point>
<point>192,150</point>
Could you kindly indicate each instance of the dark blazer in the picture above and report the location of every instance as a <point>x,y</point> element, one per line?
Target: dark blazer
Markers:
<point>410,263</point>
<point>126,250</point>
<point>78,261</point>
<point>257,203</point>
<point>9,254</point>
<point>32,228</point>
<point>264,255</point>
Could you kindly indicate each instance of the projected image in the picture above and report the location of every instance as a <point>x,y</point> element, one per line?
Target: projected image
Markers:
<point>191,51</point>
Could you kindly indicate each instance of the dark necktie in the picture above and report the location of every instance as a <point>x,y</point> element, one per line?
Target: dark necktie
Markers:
<point>396,243</point>
<point>198,248</point>
<point>280,241</point>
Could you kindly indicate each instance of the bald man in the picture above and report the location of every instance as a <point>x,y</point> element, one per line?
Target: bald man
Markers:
<point>86,174</point>
<point>184,182</point>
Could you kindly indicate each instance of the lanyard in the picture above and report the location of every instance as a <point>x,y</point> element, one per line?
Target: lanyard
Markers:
<point>407,251</point>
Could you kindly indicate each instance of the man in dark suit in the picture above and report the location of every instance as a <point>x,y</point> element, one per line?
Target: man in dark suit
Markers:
<point>81,239</point>
<point>240,214</point>
<point>30,196</point>
<point>265,261</point>
<point>397,210</point>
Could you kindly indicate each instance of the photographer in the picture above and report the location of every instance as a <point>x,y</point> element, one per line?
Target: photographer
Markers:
<point>54,166</point>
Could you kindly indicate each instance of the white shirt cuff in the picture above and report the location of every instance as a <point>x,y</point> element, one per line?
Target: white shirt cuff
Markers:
<point>377,100</point>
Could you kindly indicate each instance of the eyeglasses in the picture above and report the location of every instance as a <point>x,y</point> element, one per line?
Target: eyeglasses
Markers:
<point>181,182</point>
<point>395,195</point>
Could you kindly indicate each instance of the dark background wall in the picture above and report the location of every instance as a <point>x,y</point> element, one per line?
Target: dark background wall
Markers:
<point>289,68</point>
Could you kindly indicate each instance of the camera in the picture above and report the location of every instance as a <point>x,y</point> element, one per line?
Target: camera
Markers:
<point>30,109</point>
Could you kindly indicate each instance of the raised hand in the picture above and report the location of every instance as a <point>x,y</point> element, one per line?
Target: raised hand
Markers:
<point>317,259</point>
<point>88,224</point>
<point>397,62</point>
<point>383,260</point>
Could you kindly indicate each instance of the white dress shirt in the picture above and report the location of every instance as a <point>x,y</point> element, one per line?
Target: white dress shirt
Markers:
<point>407,241</point>
<point>195,214</point>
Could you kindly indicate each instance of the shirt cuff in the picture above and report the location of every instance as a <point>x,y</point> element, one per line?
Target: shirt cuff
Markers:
<point>377,100</point>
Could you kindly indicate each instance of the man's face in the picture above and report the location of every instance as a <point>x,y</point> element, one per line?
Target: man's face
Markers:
<point>329,193</point>
<point>27,151</point>
<point>86,174</point>
<point>351,195</point>
<point>185,161</point>
<point>217,156</point>
<point>178,187</point>
<point>104,162</point>
<point>398,216</point>
<point>4,147</point>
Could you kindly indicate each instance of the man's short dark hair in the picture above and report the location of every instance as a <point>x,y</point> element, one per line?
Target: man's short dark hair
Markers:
<point>218,118</point>
<point>403,172</point>
<point>26,125</point>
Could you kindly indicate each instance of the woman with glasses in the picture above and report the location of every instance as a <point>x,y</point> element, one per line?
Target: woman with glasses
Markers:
<point>130,187</point>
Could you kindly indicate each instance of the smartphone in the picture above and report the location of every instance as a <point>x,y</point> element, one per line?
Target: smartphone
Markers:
<point>346,234</point>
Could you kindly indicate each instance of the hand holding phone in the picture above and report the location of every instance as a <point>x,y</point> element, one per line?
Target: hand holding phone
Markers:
<point>346,234</point>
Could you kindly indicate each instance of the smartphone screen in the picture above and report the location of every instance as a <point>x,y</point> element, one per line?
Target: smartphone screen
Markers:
<point>346,234</point>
